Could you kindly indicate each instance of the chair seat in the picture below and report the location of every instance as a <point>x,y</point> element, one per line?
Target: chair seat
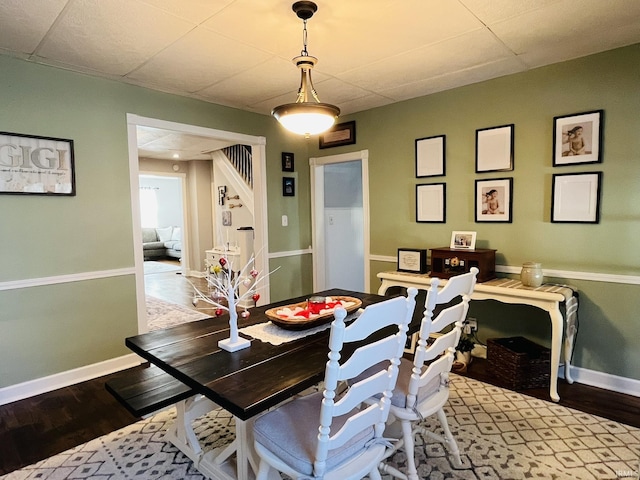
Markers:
<point>291,433</point>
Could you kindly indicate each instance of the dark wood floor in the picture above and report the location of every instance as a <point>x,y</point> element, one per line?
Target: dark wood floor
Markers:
<point>44,425</point>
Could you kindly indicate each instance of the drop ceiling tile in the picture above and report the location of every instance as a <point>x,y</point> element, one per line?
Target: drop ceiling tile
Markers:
<point>449,56</point>
<point>24,24</point>
<point>199,59</point>
<point>196,11</point>
<point>108,36</point>
<point>364,103</point>
<point>491,11</point>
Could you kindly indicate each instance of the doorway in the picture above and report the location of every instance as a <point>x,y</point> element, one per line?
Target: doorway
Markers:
<point>340,221</point>
<point>257,145</point>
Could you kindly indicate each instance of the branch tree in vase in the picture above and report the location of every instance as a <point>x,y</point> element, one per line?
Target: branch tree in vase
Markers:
<point>224,283</point>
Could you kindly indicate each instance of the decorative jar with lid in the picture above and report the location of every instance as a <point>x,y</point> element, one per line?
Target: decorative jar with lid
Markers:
<point>531,274</point>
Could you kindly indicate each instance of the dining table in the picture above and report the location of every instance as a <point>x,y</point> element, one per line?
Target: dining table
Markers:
<point>279,364</point>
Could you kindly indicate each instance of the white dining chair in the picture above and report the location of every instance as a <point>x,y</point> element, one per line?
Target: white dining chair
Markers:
<point>335,436</point>
<point>423,389</point>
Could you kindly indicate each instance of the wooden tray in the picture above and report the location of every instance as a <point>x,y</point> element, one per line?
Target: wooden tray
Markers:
<point>313,320</point>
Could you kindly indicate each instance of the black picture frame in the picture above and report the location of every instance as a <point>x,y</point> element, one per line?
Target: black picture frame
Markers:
<point>431,203</point>
<point>288,187</point>
<point>412,260</point>
<point>494,149</point>
<point>575,197</point>
<point>339,134</point>
<point>49,168</point>
<point>288,164</point>
<point>583,129</point>
<point>430,155</point>
<point>492,192</point>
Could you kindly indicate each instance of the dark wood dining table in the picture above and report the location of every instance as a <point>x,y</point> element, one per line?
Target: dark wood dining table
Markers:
<point>245,383</point>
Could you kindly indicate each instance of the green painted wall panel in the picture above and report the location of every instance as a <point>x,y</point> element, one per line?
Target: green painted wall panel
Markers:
<point>287,281</point>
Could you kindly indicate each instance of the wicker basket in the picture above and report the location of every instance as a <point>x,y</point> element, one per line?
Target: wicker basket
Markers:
<point>519,363</point>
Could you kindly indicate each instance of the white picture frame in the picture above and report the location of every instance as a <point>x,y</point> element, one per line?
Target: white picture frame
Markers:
<point>430,156</point>
<point>463,240</point>
<point>431,203</point>
<point>576,198</point>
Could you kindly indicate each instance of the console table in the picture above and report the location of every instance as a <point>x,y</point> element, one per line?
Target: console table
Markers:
<point>548,297</point>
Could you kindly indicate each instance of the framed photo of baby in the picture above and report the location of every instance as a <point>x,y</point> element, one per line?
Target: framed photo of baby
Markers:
<point>494,200</point>
<point>577,138</point>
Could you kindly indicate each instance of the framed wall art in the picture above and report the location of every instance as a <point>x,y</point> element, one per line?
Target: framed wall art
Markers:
<point>494,200</point>
<point>577,138</point>
<point>339,134</point>
<point>34,165</point>
<point>287,162</point>
<point>412,260</point>
<point>575,198</point>
<point>288,187</point>
<point>431,203</point>
<point>494,149</point>
<point>430,156</point>
<point>463,240</point>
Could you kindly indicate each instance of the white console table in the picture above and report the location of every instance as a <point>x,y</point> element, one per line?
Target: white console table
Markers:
<point>548,297</point>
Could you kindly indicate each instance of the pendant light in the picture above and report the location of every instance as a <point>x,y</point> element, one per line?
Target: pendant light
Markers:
<point>306,117</point>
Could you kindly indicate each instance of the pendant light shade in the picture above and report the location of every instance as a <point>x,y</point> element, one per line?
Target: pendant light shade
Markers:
<point>306,117</point>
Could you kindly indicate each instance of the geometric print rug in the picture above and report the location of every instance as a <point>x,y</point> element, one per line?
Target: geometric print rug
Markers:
<point>502,435</point>
<point>161,314</point>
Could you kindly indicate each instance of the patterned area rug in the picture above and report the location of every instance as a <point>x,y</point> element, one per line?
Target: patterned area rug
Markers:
<point>161,314</point>
<point>159,267</point>
<point>502,435</point>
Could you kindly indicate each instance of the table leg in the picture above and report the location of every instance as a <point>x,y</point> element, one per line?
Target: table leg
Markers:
<point>556,345</point>
<point>571,312</point>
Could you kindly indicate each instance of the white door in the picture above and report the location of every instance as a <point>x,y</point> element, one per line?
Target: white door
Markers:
<point>340,221</point>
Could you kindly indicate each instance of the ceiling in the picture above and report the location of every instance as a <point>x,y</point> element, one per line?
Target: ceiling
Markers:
<point>371,52</point>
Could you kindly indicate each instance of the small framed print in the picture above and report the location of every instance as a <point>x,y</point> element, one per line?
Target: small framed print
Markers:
<point>287,162</point>
<point>575,198</point>
<point>463,240</point>
<point>411,343</point>
<point>288,187</point>
<point>494,149</point>
<point>340,134</point>
<point>577,138</point>
<point>494,200</point>
<point>412,260</point>
<point>431,203</point>
<point>226,218</point>
<point>35,165</point>
<point>430,156</point>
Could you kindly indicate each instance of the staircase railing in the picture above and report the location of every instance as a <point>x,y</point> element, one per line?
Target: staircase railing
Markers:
<point>240,158</point>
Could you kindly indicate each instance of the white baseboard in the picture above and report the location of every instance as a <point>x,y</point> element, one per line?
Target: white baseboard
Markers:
<point>614,383</point>
<point>24,390</point>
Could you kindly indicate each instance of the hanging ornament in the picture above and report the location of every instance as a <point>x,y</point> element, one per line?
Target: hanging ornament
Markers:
<point>247,282</point>
<point>194,301</point>
<point>256,297</point>
<point>218,312</point>
<point>217,269</point>
<point>245,314</point>
<point>222,261</point>
<point>254,273</point>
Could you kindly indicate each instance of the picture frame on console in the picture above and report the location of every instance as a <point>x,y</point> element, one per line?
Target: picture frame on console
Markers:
<point>494,200</point>
<point>463,240</point>
<point>412,260</point>
<point>577,138</point>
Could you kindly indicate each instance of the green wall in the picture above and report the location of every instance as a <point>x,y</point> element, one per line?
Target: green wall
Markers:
<point>50,329</point>
<point>609,328</point>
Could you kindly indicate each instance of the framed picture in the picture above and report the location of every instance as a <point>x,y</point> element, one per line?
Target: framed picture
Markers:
<point>34,165</point>
<point>494,200</point>
<point>577,138</point>
<point>575,198</point>
<point>226,218</point>
<point>430,156</point>
<point>287,162</point>
<point>339,134</point>
<point>411,343</point>
<point>494,149</point>
<point>463,240</point>
<point>288,187</point>
<point>412,260</point>
<point>431,203</point>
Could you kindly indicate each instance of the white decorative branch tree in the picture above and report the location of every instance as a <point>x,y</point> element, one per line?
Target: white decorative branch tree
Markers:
<point>224,283</point>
